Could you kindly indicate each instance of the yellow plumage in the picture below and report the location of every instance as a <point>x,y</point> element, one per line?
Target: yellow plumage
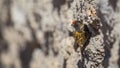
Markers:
<point>80,38</point>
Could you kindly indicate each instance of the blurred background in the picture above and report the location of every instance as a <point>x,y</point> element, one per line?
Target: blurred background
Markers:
<point>32,33</point>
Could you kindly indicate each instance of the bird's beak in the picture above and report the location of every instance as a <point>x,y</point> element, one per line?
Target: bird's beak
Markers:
<point>72,24</point>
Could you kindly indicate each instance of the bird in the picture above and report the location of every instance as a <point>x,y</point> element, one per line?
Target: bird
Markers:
<point>81,33</point>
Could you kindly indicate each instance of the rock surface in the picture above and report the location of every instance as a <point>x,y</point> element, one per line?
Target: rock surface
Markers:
<point>38,34</point>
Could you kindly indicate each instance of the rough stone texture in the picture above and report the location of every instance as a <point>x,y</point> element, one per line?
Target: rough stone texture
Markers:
<point>37,34</point>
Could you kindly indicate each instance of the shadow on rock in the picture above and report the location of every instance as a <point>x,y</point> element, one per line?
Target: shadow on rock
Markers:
<point>107,39</point>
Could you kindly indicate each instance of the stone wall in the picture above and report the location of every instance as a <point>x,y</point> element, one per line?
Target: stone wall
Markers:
<point>38,34</point>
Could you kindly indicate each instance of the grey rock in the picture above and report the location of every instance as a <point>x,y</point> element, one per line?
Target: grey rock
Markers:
<point>38,34</point>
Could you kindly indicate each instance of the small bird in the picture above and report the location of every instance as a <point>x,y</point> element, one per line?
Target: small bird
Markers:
<point>81,33</point>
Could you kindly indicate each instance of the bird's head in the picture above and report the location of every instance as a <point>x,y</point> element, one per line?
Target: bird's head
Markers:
<point>78,25</point>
